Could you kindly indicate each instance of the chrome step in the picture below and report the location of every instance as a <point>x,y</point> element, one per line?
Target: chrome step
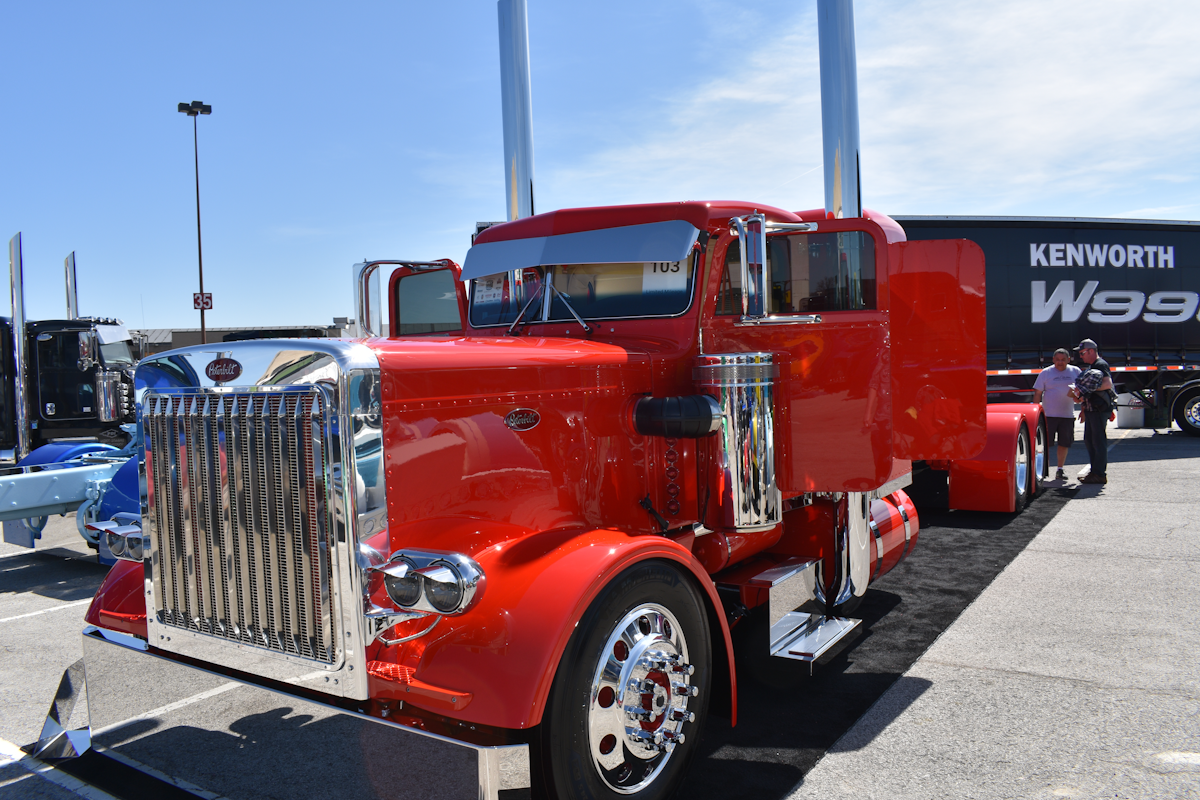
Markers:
<point>796,609</point>
<point>807,637</point>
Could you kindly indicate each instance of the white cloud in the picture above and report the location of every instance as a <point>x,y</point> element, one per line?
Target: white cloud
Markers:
<point>1073,108</point>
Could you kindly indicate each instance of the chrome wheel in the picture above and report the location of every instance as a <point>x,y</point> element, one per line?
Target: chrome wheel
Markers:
<point>1022,467</point>
<point>1039,454</point>
<point>1187,413</point>
<point>631,691</point>
<point>639,699</point>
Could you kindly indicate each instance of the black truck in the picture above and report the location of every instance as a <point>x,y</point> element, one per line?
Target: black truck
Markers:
<point>79,383</point>
<point>1131,285</point>
<point>61,379</point>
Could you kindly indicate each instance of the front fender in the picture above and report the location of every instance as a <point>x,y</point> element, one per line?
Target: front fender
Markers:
<point>505,651</point>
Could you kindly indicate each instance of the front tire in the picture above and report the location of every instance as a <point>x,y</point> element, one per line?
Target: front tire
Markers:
<point>631,693</point>
<point>1187,413</point>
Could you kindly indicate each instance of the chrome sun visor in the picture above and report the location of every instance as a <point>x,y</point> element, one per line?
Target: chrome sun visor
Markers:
<point>668,241</point>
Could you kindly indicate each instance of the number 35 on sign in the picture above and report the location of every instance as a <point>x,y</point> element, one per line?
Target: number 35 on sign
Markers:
<point>202,300</point>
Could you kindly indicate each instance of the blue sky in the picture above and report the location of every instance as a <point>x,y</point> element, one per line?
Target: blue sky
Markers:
<point>374,131</point>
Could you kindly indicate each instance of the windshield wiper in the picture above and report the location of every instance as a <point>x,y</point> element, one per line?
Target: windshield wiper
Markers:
<point>566,302</point>
<point>521,316</point>
<point>519,321</point>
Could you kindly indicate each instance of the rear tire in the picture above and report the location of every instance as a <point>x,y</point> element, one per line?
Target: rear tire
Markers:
<point>1022,467</point>
<point>642,647</point>
<point>1187,412</point>
<point>1041,457</point>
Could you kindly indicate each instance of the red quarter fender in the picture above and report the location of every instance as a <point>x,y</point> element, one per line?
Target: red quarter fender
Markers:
<point>983,483</point>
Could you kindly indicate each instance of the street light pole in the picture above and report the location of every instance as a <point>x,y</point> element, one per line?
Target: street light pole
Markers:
<point>193,110</point>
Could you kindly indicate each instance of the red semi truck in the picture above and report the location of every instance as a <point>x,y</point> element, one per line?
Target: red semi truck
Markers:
<point>529,519</point>
<point>524,524</point>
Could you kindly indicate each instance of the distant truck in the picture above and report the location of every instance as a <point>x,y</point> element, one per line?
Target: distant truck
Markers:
<point>1132,285</point>
<point>79,380</point>
<point>65,379</point>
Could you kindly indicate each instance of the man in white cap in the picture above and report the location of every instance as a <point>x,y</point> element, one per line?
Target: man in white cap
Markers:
<point>1053,390</point>
<point>1097,408</point>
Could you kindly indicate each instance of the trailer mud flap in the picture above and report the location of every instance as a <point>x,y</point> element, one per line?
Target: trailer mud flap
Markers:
<point>235,739</point>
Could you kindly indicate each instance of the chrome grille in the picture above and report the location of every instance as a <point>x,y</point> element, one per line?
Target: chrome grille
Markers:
<point>237,488</point>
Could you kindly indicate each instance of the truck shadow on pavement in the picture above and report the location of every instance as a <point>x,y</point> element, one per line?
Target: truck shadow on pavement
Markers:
<point>56,574</point>
<point>787,719</point>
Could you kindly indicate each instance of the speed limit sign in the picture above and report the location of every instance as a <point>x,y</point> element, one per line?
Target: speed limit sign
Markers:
<point>202,300</point>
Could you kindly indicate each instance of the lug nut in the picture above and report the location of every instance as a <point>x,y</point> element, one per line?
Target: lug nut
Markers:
<point>683,690</point>
<point>683,716</point>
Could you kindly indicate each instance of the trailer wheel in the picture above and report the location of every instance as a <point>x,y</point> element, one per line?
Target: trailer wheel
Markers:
<point>631,692</point>
<point>1040,458</point>
<point>1187,412</point>
<point>1022,467</point>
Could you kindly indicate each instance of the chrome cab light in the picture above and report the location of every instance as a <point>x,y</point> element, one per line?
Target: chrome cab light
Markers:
<point>432,582</point>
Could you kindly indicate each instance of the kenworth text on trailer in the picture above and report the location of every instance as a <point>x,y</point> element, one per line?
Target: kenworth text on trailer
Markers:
<point>523,525</point>
<point>1132,285</point>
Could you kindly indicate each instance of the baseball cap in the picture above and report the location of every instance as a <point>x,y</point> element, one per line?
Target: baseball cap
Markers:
<point>1087,344</point>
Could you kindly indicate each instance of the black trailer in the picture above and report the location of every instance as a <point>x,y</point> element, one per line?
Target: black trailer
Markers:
<point>1131,285</point>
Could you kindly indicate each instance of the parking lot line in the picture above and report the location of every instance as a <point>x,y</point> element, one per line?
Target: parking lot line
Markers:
<point>48,610</point>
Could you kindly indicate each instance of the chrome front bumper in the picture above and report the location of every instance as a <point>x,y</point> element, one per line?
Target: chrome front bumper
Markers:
<point>227,737</point>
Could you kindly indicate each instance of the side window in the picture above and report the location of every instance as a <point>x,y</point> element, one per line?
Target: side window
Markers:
<point>427,303</point>
<point>810,273</point>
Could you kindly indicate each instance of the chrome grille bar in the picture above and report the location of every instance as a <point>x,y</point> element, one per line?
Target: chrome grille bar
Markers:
<point>237,487</point>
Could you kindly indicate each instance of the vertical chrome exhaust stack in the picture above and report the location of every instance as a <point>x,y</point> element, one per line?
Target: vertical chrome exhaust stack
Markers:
<point>839,108</point>
<point>72,291</point>
<point>516,101</point>
<point>20,347</point>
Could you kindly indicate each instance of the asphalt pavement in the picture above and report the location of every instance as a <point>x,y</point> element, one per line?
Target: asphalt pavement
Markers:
<point>1074,674</point>
<point>1046,654</point>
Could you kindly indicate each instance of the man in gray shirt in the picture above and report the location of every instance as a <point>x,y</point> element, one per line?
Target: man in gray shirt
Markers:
<point>1052,390</point>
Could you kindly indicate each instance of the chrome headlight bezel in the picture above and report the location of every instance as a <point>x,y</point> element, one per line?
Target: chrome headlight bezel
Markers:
<point>435,569</point>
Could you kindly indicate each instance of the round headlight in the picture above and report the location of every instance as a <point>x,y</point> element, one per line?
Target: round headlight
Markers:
<point>443,588</point>
<point>116,543</point>
<point>133,547</point>
<point>403,586</point>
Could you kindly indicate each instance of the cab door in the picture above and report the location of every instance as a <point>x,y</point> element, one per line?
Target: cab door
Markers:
<point>819,312</point>
<point>66,375</point>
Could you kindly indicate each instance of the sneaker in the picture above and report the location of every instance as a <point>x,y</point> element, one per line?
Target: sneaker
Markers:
<point>1060,476</point>
<point>1100,479</point>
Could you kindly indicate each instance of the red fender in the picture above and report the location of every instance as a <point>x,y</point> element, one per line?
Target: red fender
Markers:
<point>501,656</point>
<point>120,602</point>
<point>984,483</point>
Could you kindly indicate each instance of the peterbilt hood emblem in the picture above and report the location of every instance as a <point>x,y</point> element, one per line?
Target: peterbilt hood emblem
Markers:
<point>222,370</point>
<point>522,419</point>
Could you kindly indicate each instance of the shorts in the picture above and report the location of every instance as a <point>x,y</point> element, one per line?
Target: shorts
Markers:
<point>1061,429</point>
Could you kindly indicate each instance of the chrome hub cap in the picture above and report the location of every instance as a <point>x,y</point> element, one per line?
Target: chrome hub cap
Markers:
<point>639,699</point>
<point>1191,412</point>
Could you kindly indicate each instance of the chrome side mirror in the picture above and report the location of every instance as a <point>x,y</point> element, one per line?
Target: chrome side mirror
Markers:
<point>88,350</point>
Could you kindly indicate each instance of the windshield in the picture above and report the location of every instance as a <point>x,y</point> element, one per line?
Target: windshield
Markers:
<point>594,291</point>
<point>116,354</point>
